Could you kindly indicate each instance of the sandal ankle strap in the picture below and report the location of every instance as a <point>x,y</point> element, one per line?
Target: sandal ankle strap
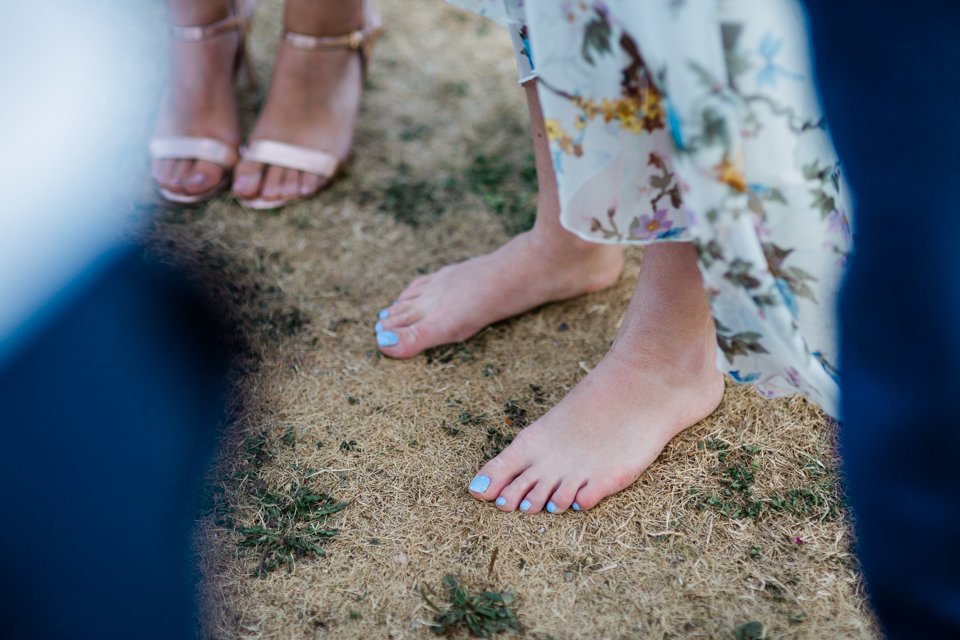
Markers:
<point>355,40</point>
<point>242,13</point>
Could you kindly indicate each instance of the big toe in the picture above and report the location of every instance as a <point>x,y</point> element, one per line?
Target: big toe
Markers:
<point>247,179</point>
<point>203,177</point>
<point>409,341</point>
<point>505,479</point>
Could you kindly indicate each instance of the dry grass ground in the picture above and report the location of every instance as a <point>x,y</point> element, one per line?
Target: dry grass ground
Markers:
<point>739,520</point>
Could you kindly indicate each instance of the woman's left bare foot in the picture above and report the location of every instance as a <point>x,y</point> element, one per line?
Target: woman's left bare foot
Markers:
<point>659,378</point>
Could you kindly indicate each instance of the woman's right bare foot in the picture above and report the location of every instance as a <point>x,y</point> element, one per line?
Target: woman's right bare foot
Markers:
<point>200,100</point>
<point>459,300</point>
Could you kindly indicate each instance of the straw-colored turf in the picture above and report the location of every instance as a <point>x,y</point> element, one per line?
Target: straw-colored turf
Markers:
<point>441,146</point>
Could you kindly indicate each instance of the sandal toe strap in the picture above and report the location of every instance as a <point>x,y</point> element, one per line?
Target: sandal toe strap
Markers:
<point>289,156</point>
<point>179,148</point>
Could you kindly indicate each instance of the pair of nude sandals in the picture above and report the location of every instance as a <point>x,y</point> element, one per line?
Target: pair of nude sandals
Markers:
<point>268,152</point>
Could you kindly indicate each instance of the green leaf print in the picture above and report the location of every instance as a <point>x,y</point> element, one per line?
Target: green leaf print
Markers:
<point>596,38</point>
<point>739,274</point>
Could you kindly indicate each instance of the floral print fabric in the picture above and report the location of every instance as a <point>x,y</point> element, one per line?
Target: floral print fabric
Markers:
<point>696,121</point>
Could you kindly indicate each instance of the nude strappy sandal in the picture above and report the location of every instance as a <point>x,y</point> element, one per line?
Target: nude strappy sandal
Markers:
<point>209,149</point>
<point>306,159</point>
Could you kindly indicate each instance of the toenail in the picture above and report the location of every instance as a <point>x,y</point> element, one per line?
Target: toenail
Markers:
<point>241,183</point>
<point>501,502</point>
<point>525,505</point>
<point>479,484</point>
<point>387,339</point>
<point>552,508</point>
<point>196,179</point>
<point>378,327</point>
<point>575,506</point>
<point>384,314</point>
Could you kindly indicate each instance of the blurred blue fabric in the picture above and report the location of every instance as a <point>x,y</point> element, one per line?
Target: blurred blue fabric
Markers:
<point>890,84</point>
<point>110,407</point>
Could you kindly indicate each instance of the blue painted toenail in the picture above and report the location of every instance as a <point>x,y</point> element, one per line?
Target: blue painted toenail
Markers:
<point>501,501</point>
<point>387,339</point>
<point>525,505</point>
<point>575,506</point>
<point>552,508</point>
<point>378,327</point>
<point>384,314</point>
<point>479,484</point>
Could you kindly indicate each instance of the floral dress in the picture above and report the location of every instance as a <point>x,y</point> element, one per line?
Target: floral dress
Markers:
<point>697,121</point>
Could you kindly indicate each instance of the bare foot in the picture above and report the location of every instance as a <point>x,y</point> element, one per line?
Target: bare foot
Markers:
<point>659,378</point>
<point>313,101</point>
<point>459,300</point>
<point>200,100</point>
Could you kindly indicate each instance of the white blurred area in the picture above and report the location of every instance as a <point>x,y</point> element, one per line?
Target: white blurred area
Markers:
<point>80,84</point>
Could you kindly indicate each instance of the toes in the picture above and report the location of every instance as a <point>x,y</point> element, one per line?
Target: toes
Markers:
<point>536,499</point>
<point>401,314</point>
<point>564,496</point>
<point>247,179</point>
<point>290,184</point>
<point>310,184</point>
<point>415,287</point>
<point>587,498</point>
<point>513,490</point>
<point>272,183</point>
<point>180,170</point>
<point>203,176</point>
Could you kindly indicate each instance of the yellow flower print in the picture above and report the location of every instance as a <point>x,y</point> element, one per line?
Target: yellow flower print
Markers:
<point>731,173</point>
<point>554,129</point>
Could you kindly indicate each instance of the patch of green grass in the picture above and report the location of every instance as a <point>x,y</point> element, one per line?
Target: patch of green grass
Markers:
<point>416,132</point>
<point>514,415</point>
<point>509,190</point>
<point>482,614</point>
<point>416,202</point>
<point>293,524</point>
<point>497,441</point>
<point>737,500</point>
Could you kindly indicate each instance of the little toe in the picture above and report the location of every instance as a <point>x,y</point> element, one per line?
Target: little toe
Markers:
<point>310,183</point>
<point>587,498</point>
<point>272,183</point>
<point>247,179</point>
<point>203,177</point>
<point>416,287</point>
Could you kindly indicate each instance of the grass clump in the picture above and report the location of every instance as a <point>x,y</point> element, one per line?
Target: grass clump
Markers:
<point>483,614</point>
<point>508,189</point>
<point>293,524</point>
<point>736,499</point>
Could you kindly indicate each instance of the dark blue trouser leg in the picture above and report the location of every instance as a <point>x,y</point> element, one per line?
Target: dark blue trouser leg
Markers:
<point>108,412</point>
<point>890,80</point>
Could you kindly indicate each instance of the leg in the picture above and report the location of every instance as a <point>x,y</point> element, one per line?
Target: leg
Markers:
<point>900,315</point>
<point>659,378</point>
<point>543,265</point>
<point>313,100</point>
<point>200,100</point>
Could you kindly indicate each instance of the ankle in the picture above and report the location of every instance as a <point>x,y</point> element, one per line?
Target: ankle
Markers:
<point>190,13</point>
<point>329,18</point>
